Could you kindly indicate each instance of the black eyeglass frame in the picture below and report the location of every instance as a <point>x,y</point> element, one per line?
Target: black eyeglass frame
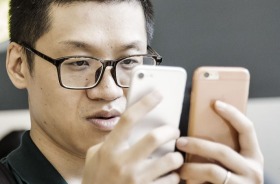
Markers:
<point>57,62</point>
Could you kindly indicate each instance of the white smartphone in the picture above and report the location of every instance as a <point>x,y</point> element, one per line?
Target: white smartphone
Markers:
<point>170,82</point>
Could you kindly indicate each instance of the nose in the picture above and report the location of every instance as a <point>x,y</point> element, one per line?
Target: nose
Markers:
<point>107,89</point>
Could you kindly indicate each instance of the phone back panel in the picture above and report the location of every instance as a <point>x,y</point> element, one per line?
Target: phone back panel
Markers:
<point>170,82</point>
<point>227,84</point>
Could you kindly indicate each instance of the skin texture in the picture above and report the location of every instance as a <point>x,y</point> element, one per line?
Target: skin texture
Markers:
<point>62,120</point>
<point>246,166</point>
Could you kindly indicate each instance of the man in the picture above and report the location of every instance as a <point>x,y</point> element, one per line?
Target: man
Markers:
<point>79,123</point>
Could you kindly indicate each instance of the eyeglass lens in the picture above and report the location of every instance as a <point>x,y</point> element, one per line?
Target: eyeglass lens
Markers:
<point>86,72</point>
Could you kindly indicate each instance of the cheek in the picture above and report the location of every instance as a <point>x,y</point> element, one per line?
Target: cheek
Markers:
<point>61,102</point>
<point>56,114</point>
<point>125,92</point>
<point>48,100</point>
<point>45,88</point>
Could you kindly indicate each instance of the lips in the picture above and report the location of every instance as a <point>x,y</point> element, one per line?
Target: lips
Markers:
<point>104,120</point>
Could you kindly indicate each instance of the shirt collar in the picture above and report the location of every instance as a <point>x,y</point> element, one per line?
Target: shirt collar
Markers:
<point>31,165</point>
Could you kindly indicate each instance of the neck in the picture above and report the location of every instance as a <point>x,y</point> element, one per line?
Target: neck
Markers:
<point>69,165</point>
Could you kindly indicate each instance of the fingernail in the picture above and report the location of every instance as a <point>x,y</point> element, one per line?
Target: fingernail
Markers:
<point>182,141</point>
<point>220,105</point>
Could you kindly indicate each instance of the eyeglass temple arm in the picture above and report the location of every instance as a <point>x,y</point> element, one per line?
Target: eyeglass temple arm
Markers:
<point>159,58</point>
<point>47,58</point>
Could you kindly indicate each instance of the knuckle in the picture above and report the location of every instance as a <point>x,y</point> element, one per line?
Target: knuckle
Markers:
<point>223,151</point>
<point>153,138</point>
<point>91,151</point>
<point>170,159</point>
<point>174,159</point>
<point>174,178</point>
<point>99,154</point>
<point>249,126</point>
<point>213,172</point>
<point>104,153</point>
<point>194,145</point>
<point>127,117</point>
<point>257,174</point>
<point>118,169</point>
<point>259,179</point>
<point>128,173</point>
<point>132,179</point>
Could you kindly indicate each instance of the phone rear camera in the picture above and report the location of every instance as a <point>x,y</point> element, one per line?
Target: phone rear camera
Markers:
<point>140,75</point>
<point>206,74</point>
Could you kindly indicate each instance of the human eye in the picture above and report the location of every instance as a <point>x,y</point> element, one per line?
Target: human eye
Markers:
<point>77,63</point>
<point>130,63</point>
<point>80,63</point>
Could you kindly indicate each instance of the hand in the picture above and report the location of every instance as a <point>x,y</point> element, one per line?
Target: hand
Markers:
<point>113,162</point>
<point>245,166</point>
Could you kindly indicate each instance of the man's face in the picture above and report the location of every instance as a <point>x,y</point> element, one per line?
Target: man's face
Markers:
<point>78,119</point>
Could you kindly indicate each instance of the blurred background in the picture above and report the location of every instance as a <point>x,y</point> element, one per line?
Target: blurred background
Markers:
<point>191,33</point>
<point>4,20</point>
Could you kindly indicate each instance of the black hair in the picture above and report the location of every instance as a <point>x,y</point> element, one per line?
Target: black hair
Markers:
<point>29,19</point>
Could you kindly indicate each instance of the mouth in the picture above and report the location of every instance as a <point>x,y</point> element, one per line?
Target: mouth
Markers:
<point>105,120</point>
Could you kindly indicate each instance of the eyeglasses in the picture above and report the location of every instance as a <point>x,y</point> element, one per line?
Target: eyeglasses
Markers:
<point>82,72</point>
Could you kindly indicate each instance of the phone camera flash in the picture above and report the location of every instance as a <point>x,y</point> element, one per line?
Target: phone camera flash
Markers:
<point>211,75</point>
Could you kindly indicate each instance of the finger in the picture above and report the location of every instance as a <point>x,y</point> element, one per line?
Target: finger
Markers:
<point>92,150</point>
<point>194,182</point>
<point>131,116</point>
<point>89,160</point>
<point>162,166</point>
<point>153,140</point>
<point>247,136</point>
<point>200,173</point>
<point>172,178</point>
<point>219,152</point>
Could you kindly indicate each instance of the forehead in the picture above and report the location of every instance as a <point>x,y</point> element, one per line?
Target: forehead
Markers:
<point>96,21</point>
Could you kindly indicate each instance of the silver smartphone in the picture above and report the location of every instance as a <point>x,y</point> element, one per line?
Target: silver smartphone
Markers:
<point>170,82</point>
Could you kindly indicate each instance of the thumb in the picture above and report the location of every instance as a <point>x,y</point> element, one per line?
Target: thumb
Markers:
<point>93,150</point>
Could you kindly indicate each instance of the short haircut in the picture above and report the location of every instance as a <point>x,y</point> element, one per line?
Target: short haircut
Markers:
<point>29,19</point>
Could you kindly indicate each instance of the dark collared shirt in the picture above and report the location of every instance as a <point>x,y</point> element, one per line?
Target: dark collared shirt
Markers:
<point>30,166</point>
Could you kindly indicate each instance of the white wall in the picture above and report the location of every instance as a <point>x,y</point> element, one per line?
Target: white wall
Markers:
<point>13,120</point>
<point>264,112</point>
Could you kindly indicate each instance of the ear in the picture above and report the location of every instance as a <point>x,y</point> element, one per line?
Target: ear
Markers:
<point>16,65</point>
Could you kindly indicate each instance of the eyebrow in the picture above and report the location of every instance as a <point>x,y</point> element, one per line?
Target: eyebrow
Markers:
<point>131,46</point>
<point>73,44</point>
